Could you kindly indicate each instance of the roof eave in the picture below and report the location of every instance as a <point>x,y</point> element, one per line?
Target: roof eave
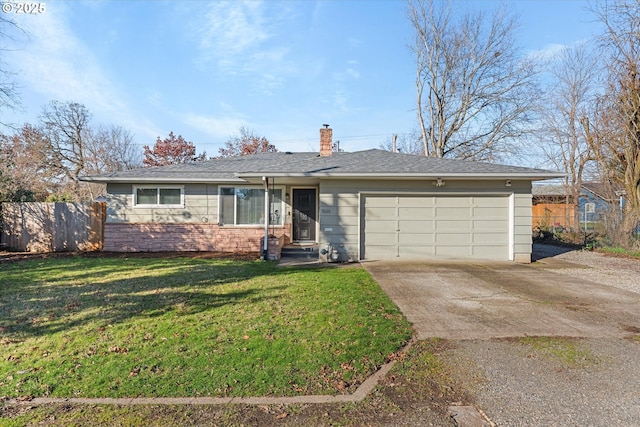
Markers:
<point>496,176</point>
<point>177,180</point>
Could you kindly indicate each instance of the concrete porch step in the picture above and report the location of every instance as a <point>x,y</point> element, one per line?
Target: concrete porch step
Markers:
<point>308,251</point>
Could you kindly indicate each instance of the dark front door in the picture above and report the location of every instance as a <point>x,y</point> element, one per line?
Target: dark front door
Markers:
<point>304,214</point>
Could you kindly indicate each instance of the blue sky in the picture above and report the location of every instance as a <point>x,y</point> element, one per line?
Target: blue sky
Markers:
<point>281,68</point>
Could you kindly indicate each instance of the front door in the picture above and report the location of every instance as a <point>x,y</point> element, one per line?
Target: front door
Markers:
<point>304,214</point>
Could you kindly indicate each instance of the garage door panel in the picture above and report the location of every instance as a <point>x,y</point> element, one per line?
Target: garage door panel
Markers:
<point>416,226</point>
<point>416,202</point>
<point>461,251</point>
<point>453,238</point>
<point>380,201</point>
<point>381,252</point>
<point>380,213</point>
<point>435,226</point>
<point>415,212</point>
<point>453,202</point>
<point>461,213</point>
<point>488,225</point>
<point>381,240</point>
<point>490,252</point>
<point>416,238</point>
<point>449,225</point>
<point>481,213</point>
<point>380,226</point>
<point>499,239</point>
<point>409,252</point>
<point>490,202</point>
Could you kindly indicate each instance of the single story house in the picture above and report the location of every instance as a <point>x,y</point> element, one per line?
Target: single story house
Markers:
<point>364,205</point>
<point>554,209</point>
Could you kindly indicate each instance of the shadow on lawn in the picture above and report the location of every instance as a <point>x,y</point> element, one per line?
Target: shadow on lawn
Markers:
<point>39,299</point>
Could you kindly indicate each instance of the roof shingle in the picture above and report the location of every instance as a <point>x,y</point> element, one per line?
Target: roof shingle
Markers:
<point>365,163</point>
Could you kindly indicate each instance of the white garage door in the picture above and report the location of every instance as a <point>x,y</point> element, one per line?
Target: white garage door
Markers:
<point>434,226</point>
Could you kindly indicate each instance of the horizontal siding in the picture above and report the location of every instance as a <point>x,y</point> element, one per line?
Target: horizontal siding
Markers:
<point>522,224</point>
<point>200,206</point>
<point>339,216</point>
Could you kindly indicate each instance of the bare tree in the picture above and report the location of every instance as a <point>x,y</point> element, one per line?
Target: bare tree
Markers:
<point>66,127</point>
<point>110,149</point>
<point>570,99</point>
<point>614,132</point>
<point>404,143</point>
<point>475,92</point>
<point>9,91</point>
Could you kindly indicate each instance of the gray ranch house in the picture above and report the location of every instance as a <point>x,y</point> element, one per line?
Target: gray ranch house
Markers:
<point>364,205</point>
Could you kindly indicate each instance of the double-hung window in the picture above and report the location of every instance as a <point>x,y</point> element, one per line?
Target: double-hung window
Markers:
<point>245,206</point>
<point>165,197</point>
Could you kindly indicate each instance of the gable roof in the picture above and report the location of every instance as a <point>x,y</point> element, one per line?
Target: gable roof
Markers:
<point>372,163</point>
<point>598,189</point>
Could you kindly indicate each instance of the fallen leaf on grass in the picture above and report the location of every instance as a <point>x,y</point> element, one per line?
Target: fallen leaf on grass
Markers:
<point>118,349</point>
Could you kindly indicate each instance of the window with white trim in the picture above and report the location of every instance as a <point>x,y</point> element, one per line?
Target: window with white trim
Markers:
<point>245,206</point>
<point>165,197</point>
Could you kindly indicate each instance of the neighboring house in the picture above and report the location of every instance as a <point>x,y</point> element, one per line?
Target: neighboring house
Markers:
<point>365,205</point>
<point>553,209</point>
<point>605,201</point>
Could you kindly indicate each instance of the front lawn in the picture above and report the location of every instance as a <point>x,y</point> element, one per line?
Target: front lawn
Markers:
<point>189,326</point>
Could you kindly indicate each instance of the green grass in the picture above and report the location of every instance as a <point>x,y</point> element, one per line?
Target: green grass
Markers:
<point>567,351</point>
<point>126,327</point>
<point>616,250</point>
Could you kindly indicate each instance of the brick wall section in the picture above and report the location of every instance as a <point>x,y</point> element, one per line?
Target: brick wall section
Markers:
<point>186,238</point>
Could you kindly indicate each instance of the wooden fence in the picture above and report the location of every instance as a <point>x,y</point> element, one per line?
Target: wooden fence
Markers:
<point>52,227</point>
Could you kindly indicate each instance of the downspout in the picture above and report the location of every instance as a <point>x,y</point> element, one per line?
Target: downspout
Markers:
<point>265,246</point>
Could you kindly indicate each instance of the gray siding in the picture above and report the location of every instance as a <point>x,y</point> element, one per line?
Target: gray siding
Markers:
<point>200,205</point>
<point>339,208</point>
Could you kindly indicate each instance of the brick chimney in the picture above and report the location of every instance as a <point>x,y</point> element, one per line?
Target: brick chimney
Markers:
<point>326,140</point>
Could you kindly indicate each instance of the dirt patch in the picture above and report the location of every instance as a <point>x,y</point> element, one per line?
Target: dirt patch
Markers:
<point>632,329</point>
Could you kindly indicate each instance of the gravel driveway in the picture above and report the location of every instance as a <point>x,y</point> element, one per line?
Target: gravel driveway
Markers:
<point>588,301</point>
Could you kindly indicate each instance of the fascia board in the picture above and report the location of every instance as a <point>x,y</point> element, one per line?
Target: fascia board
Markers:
<point>133,180</point>
<point>528,176</point>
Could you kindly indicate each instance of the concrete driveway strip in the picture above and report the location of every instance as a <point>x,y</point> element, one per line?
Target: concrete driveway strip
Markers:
<point>483,300</point>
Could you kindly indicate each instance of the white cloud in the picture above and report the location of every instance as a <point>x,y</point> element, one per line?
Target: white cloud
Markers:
<point>548,52</point>
<point>56,64</point>
<point>215,127</point>
<point>241,39</point>
<point>352,73</point>
<point>234,27</point>
<point>340,101</point>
